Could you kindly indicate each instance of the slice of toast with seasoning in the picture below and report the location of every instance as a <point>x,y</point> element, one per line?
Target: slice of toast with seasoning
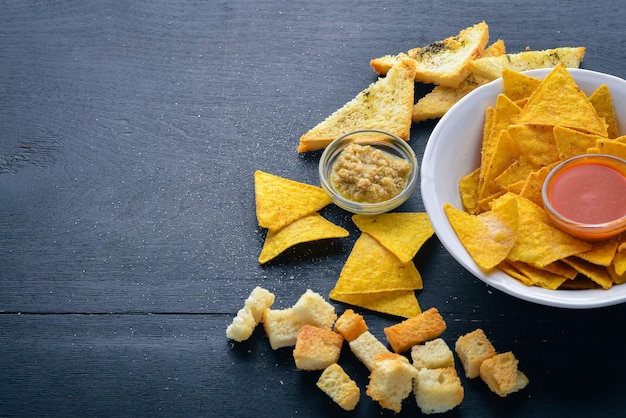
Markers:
<point>445,62</point>
<point>492,67</point>
<point>387,104</point>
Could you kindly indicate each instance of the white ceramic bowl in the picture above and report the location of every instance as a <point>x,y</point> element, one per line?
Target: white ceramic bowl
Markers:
<point>453,150</point>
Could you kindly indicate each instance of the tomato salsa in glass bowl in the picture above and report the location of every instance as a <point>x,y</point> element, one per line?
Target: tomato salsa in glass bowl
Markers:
<point>585,196</point>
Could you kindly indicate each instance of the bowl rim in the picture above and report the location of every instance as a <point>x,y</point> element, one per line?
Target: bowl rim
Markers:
<point>337,145</point>
<point>469,106</point>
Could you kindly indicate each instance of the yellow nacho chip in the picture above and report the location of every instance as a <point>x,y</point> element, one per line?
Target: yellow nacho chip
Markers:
<point>611,147</point>
<point>540,277</point>
<point>601,252</point>
<point>536,142</point>
<point>516,174</point>
<point>533,186</point>
<point>309,228</point>
<point>402,233</point>
<point>280,201</point>
<point>468,188</point>
<point>538,243</point>
<point>396,302</point>
<point>558,101</point>
<point>570,142</point>
<point>371,268</point>
<point>597,274</point>
<point>487,237</point>
<point>619,262</point>
<point>504,153</point>
<point>518,86</point>
<point>504,114</point>
<point>602,101</point>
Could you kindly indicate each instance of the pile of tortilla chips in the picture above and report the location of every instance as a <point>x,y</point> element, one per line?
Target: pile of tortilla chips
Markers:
<point>289,210</point>
<point>534,125</point>
<point>379,273</point>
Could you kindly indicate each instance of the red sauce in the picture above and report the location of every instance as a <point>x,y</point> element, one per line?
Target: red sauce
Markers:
<point>589,192</point>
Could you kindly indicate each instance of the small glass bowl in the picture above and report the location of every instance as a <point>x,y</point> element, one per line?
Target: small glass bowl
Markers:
<point>592,232</point>
<point>382,140</point>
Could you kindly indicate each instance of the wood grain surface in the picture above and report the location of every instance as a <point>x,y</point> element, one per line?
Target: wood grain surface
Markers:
<point>129,134</point>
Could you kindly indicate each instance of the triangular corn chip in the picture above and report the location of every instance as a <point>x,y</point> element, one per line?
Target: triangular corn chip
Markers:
<point>570,142</point>
<point>558,101</point>
<point>397,302</point>
<point>281,201</point>
<point>309,228</point>
<point>402,233</point>
<point>371,268</point>
<point>602,101</point>
<point>487,237</point>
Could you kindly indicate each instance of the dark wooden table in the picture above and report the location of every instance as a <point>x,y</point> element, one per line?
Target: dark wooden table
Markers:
<point>129,133</point>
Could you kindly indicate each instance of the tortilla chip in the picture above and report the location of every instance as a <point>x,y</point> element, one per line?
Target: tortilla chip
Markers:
<point>468,187</point>
<point>401,233</point>
<point>539,243</point>
<point>507,268</point>
<point>601,253</point>
<point>514,177</point>
<point>570,142</point>
<point>281,201</point>
<point>561,269</point>
<point>503,154</point>
<point>558,101</point>
<point>619,262</point>
<point>372,268</point>
<point>536,142</point>
<point>487,237</point>
<point>533,186</point>
<point>602,101</point>
<point>611,147</point>
<point>504,114</point>
<point>518,86</point>
<point>597,274</point>
<point>310,228</point>
<point>540,277</point>
<point>398,302</point>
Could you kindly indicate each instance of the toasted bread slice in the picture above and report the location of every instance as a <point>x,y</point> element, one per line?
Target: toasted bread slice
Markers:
<point>386,105</point>
<point>492,67</point>
<point>443,62</point>
<point>436,103</point>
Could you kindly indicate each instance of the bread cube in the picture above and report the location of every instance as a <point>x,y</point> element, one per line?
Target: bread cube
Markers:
<point>336,383</point>
<point>311,308</point>
<point>242,326</point>
<point>473,348</point>
<point>426,326</point>
<point>259,300</point>
<point>391,381</point>
<point>433,354</point>
<point>281,326</point>
<point>501,374</point>
<point>438,390</point>
<point>316,348</point>
<point>366,347</point>
<point>350,325</point>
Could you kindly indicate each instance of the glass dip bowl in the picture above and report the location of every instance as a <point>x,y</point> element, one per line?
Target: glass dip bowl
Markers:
<point>393,149</point>
<point>585,196</point>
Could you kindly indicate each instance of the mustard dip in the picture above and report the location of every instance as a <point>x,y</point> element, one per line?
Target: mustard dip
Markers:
<point>366,174</point>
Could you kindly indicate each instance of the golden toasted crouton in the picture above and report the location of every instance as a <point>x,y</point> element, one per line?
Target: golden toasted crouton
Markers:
<point>426,326</point>
<point>500,373</point>
<point>391,380</point>
<point>350,325</point>
<point>316,348</point>
<point>473,348</point>
<point>438,390</point>
<point>336,383</point>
